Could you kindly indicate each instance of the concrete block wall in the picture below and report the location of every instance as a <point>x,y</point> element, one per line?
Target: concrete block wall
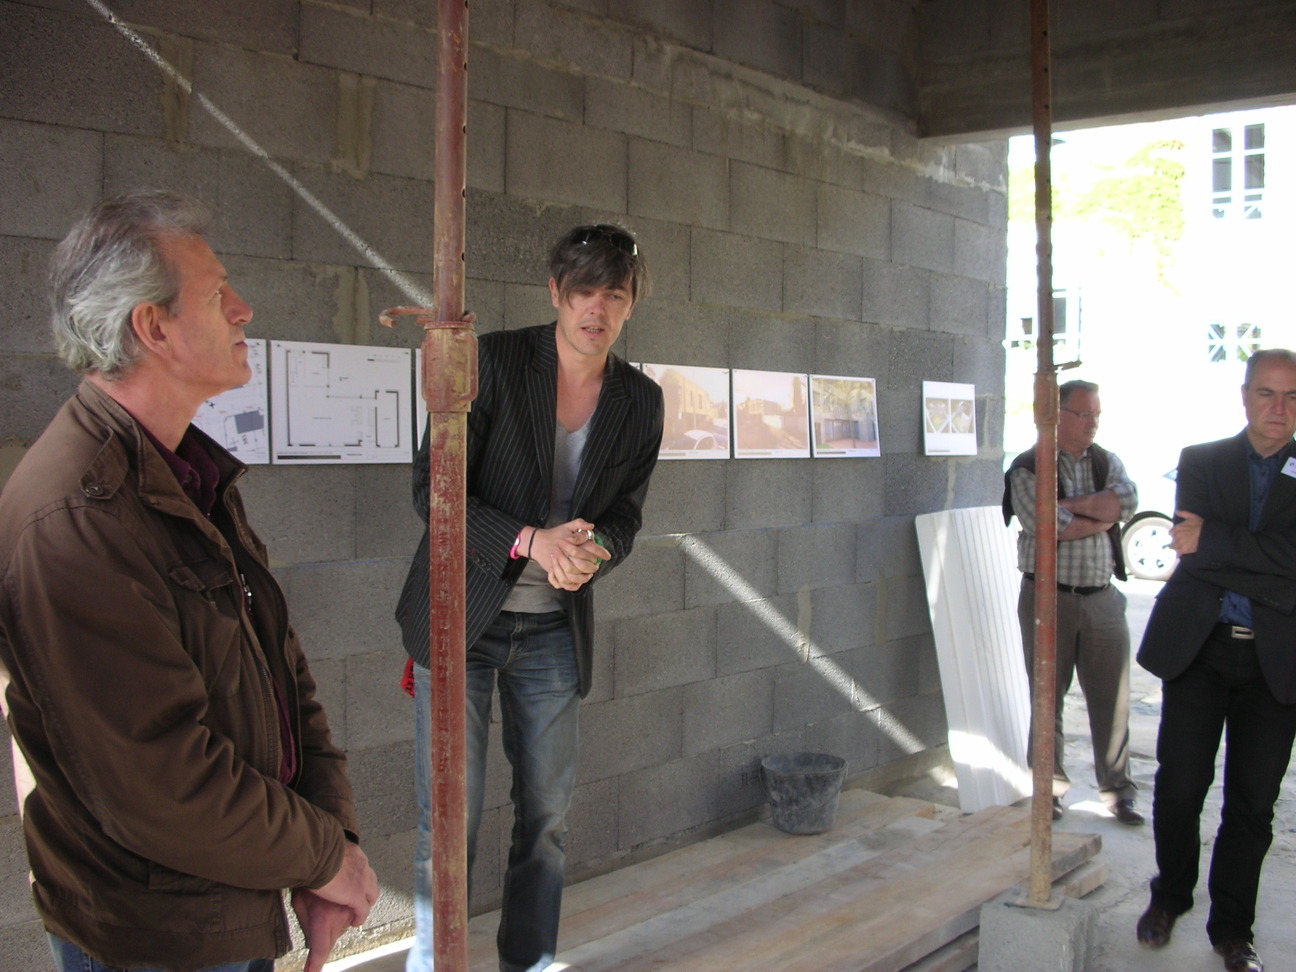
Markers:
<point>762,152</point>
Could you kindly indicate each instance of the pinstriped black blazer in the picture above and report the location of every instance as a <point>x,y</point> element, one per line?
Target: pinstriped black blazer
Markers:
<point>1213,481</point>
<point>509,468</point>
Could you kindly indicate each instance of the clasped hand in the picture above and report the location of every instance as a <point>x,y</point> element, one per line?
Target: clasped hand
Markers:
<point>569,553</point>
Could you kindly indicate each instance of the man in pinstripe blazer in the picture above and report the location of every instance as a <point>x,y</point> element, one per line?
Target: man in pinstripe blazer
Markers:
<point>562,439</point>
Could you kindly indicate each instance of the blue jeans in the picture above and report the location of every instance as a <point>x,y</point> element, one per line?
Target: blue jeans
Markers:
<point>532,658</point>
<point>69,958</point>
<point>1222,691</point>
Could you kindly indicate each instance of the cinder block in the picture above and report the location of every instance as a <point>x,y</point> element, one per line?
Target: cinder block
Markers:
<point>883,78</point>
<point>349,40</point>
<point>345,608</point>
<point>508,241</point>
<point>887,23</point>
<point>287,108</point>
<point>762,36</point>
<point>917,484</point>
<point>639,112</point>
<point>826,57</point>
<point>821,554</point>
<point>985,164</point>
<point>807,693</point>
<point>665,650</point>
<point>25,327</point>
<point>414,11</point>
<point>900,422</point>
<point>378,712</point>
<point>767,493</point>
<point>648,582</point>
<point>294,301</point>
<point>851,349</point>
<point>382,779</point>
<point>723,711</point>
<point>133,162</point>
<point>330,692</point>
<point>849,489</point>
<point>823,284</point>
<point>960,305</point>
<point>685,497</point>
<point>52,177</point>
<point>757,634</point>
<point>922,237</point>
<point>514,82</point>
<point>270,26</point>
<point>592,824</point>
<point>670,331</point>
<point>605,661</point>
<point>386,524</point>
<point>887,547</point>
<point>77,71</point>
<point>883,673</point>
<point>910,726</point>
<point>403,130</point>
<point>539,162</point>
<point>721,133</point>
<point>677,185</point>
<point>376,209</point>
<point>949,28</point>
<point>296,531</point>
<point>852,221</point>
<point>633,734</point>
<point>895,296</point>
<point>683,20</point>
<point>254,209</point>
<point>980,252</point>
<point>32,389</point>
<point>842,618</point>
<point>665,799</point>
<point>596,45</point>
<point>737,565</point>
<point>979,483</point>
<point>770,205</point>
<point>764,342</point>
<point>963,202</point>
<point>852,735</point>
<point>1014,937</point>
<point>917,357</point>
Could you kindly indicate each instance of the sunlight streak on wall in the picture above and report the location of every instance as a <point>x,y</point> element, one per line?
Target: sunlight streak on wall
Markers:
<point>412,291</point>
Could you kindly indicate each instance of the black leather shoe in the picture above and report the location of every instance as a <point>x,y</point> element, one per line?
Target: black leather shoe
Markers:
<point>1126,813</point>
<point>1240,957</point>
<point>1057,808</point>
<point>1155,926</point>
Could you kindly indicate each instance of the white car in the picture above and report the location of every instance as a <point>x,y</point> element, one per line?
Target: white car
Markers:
<point>1145,538</point>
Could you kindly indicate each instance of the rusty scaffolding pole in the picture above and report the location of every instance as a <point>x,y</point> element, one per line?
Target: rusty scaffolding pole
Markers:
<point>449,383</point>
<point>1043,701</point>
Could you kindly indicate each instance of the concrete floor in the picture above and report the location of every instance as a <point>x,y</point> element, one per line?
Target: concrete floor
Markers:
<point>1127,850</point>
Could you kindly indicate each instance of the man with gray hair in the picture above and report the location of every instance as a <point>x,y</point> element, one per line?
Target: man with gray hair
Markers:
<point>1094,495</point>
<point>175,771</point>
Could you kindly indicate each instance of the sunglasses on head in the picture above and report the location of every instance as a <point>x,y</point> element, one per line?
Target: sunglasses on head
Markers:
<point>615,235</point>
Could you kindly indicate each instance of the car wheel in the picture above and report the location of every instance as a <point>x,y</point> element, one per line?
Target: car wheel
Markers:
<point>1145,542</point>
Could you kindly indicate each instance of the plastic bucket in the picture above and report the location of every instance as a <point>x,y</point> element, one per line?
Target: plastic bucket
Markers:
<point>803,789</point>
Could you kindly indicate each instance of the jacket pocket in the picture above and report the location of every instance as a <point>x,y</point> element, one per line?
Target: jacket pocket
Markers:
<point>207,595</point>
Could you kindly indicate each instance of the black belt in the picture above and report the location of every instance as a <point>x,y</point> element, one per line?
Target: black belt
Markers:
<point>1071,589</point>
<point>1234,632</point>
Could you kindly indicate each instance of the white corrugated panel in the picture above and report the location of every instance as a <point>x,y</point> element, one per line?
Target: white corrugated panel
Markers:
<point>970,563</point>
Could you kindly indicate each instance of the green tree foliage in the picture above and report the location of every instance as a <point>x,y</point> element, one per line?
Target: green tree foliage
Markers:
<point>1139,200</point>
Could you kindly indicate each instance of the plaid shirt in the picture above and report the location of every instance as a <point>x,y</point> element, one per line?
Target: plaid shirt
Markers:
<point>1086,562</point>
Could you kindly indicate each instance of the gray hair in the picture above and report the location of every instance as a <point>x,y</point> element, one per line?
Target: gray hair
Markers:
<point>1260,357</point>
<point>110,262</point>
<point>1067,389</point>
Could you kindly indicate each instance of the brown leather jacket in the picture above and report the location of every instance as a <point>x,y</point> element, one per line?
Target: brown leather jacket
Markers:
<point>138,642</point>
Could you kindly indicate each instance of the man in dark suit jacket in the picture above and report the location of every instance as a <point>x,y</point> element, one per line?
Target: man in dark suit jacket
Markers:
<point>1222,636</point>
<point>562,439</point>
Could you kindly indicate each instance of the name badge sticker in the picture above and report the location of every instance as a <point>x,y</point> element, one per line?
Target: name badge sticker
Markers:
<point>1289,467</point>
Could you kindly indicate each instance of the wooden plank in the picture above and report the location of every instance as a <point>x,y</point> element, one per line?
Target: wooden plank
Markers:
<point>893,909</point>
<point>599,908</point>
<point>957,956</point>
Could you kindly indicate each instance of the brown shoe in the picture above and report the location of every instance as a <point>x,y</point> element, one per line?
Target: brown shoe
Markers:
<point>1155,926</point>
<point>1126,813</point>
<point>1240,957</point>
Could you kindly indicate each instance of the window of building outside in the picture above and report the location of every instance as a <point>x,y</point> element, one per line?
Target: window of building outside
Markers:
<point>1231,342</point>
<point>1238,172</point>
<point>1025,338</point>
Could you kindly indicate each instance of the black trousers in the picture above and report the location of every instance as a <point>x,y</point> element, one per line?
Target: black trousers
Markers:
<point>1222,691</point>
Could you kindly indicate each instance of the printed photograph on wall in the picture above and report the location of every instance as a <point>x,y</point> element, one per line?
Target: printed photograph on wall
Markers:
<point>697,410</point>
<point>949,419</point>
<point>843,417</point>
<point>771,417</point>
